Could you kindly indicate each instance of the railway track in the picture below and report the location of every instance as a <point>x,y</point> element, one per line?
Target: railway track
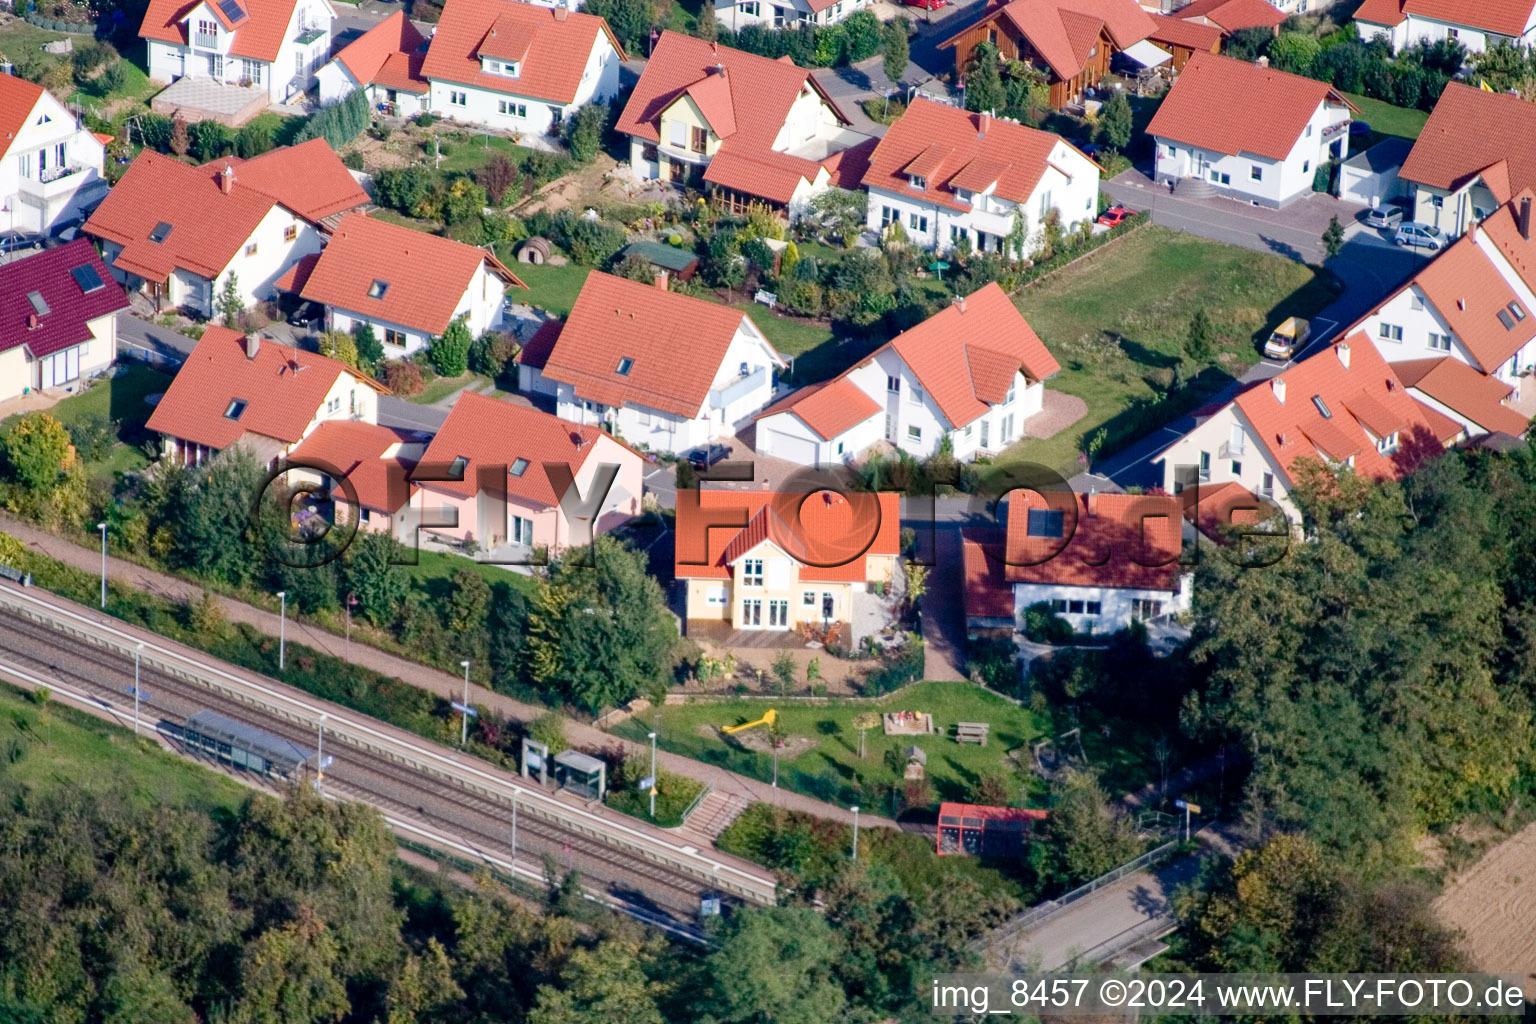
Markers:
<point>475,814</point>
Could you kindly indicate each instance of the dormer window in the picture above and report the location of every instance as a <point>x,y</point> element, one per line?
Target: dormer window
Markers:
<point>1044,522</point>
<point>505,68</point>
<point>377,289</point>
<point>919,182</point>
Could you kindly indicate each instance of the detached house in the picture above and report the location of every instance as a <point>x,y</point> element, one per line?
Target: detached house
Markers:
<point>1477,150</point>
<point>367,469</point>
<point>970,375</point>
<point>947,175</point>
<point>180,233</point>
<point>1342,406</point>
<point>1230,16</point>
<point>505,492</point>
<point>1475,24</point>
<point>750,128</point>
<point>407,284</point>
<point>58,319</point>
<point>518,67</point>
<point>272,45</point>
<point>661,370</point>
<point>738,14</point>
<point>251,391</point>
<point>385,62</point>
<point>1248,131</point>
<point>772,561</point>
<point>50,165</point>
<point>1072,41</point>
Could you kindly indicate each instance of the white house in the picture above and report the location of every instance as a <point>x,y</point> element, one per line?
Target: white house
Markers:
<point>50,166</point>
<point>1342,405</point>
<point>276,45</point>
<point>1475,24</point>
<point>661,370</point>
<point>408,285</point>
<point>181,233</point>
<point>751,129</point>
<point>386,63</point>
<point>738,14</point>
<point>1247,130</point>
<point>58,319</point>
<point>947,176</point>
<point>518,67</point>
<point>909,394</point>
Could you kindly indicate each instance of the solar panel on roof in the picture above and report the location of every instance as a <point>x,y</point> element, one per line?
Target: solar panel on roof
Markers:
<point>86,277</point>
<point>39,304</point>
<point>232,10</point>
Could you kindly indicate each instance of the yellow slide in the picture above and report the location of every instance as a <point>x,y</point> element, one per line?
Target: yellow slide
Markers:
<point>767,719</point>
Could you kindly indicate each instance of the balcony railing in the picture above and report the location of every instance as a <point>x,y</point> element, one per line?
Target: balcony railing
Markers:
<point>309,35</point>
<point>55,181</point>
<point>207,40</point>
<point>720,398</point>
<point>1233,449</point>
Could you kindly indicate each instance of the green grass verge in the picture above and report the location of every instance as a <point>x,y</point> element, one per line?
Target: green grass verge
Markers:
<point>432,575</point>
<point>439,388</point>
<point>120,399</point>
<point>469,152</point>
<point>830,767</point>
<point>136,86</point>
<point>1386,119</point>
<point>53,746</point>
<point>551,288</point>
<point>1117,322</point>
<point>674,794</point>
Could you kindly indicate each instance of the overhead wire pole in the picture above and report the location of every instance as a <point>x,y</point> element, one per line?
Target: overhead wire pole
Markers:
<point>138,651</point>
<point>464,711</point>
<point>319,751</point>
<point>282,630</point>
<point>103,528</point>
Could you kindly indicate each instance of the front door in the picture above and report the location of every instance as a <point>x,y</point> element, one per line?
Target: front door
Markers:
<point>778,614</point>
<point>678,171</point>
<point>827,607</point>
<point>751,614</point>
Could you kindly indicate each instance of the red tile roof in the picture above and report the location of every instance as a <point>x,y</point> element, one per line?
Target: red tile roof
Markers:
<point>1188,34</point>
<point>1470,293</point>
<point>259,35</point>
<point>1381,12</point>
<point>368,456</point>
<point>1105,539</point>
<point>556,44</point>
<point>208,226</point>
<point>987,592</point>
<point>426,275</point>
<point>17,98</point>
<point>1440,425</point>
<point>676,344</point>
<point>492,434</point>
<point>297,276</point>
<point>1064,32</point>
<point>282,389</point>
<point>536,352</point>
<point>1501,17</point>
<point>744,97</point>
<point>1232,106</point>
<point>70,308</point>
<point>1468,131</point>
<point>1220,508</point>
<point>389,54</point>
<point>848,167</point>
<point>1459,387</point>
<point>828,408</point>
<point>1364,394</point>
<point>308,179</point>
<point>951,149</point>
<point>1502,230</point>
<point>835,536</point>
<point>1232,15</point>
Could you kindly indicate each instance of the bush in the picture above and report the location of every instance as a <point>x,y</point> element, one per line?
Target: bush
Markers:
<point>92,436</point>
<point>255,137</point>
<point>155,132</point>
<point>897,669</point>
<point>450,351</point>
<point>425,119</point>
<point>1044,626</point>
<point>583,132</point>
<point>404,188</point>
<point>209,139</point>
<point>338,123</point>
<point>491,352</point>
<point>591,242</point>
<point>113,79</point>
<point>401,376</point>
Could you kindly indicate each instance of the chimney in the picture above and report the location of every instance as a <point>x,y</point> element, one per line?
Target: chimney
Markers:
<point>1343,350</point>
<point>984,119</point>
<point>252,345</point>
<point>1262,62</point>
<point>661,279</point>
<point>1525,218</point>
<point>1093,501</point>
<point>1278,387</point>
<point>561,13</point>
<point>32,321</point>
<point>958,300</point>
<point>227,180</point>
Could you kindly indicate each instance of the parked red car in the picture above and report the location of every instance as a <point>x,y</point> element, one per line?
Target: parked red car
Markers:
<point>1114,215</point>
<point>927,5</point>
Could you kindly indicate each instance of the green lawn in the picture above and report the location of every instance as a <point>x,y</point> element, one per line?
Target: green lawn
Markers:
<point>432,574</point>
<point>1385,119</point>
<point>440,388</point>
<point>137,86</point>
<point>413,223</point>
<point>468,152</point>
<point>120,399</point>
<point>551,288</point>
<point>20,38</point>
<point>1117,323</point>
<point>831,768</point>
<point>58,746</point>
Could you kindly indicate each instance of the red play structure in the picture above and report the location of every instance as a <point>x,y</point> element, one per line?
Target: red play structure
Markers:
<point>980,830</point>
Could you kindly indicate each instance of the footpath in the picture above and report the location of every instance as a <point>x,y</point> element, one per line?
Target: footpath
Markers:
<point>451,687</point>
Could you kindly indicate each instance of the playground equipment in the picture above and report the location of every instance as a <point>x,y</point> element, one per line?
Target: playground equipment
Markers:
<point>768,718</point>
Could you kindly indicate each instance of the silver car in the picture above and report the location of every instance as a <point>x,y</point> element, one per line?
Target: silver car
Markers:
<point>1384,217</point>
<point>1421,236</point>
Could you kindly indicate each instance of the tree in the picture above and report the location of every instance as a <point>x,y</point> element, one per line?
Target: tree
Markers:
<point>897,50</point>
<point>37,451</point>
<point>636,268</point>
<point>984,82</point>
<point>862,31</point>
<point>1333,237</point>
<point>549,729</point>
<point>1082,837</point>
<point>450,352</point>
<point>492,353</point>
<point>774,964</point>
<point>231,304</point>
<point>468,605</point>
<point>210,511</point>
<point>497,177</point>
<point>179,141</point>
<point>583,132</point>
<point>340,346</point>
<point>1249,44</point>
<point>209,139</point>
<point>1294,52</point>
<point>1115,121</point>
<point>369,349</point>
<point>708,29</point>
<point>1200,344</point>
<point>605,983</point>
<point>463,202</point>
<point>373,576</point>
<point>784,672</point>
<point>288,976</point>
<point>631,20</point>
<point>841,210</point>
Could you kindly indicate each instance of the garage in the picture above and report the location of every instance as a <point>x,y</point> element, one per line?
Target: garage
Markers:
<point>789,447</point>
<point>1371,177</point>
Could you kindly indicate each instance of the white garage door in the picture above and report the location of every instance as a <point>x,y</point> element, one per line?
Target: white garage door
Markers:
<point>787,446</point>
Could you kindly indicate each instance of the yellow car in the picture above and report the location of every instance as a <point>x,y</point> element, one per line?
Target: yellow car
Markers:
<point>1288,337</point>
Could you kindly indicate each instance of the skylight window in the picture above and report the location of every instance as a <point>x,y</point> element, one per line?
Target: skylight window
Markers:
<point>1517,310</point>
<point>161,233</point>
<point>1506,319</point>
<point>457,466</point>
<point>1045,522</point>
<point>39,304</point>
<point>1322,407</point>
<point>86,277</point>
<point>377,289</point>
<point>625,365</point>
<point>236,409</point>
<point>519,467</point>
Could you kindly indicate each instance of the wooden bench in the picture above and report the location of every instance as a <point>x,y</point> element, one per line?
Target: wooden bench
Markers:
<point>971,732</point>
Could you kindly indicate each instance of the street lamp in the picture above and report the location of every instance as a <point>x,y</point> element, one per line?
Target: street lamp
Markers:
<point>137,652</point>
<point>319,751</point>
<point>464,728</point>
<point>653,776</point>
<point>103,528</point>
<point>351,600</point>
<point>855,831</point>
<point>282,630</point>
